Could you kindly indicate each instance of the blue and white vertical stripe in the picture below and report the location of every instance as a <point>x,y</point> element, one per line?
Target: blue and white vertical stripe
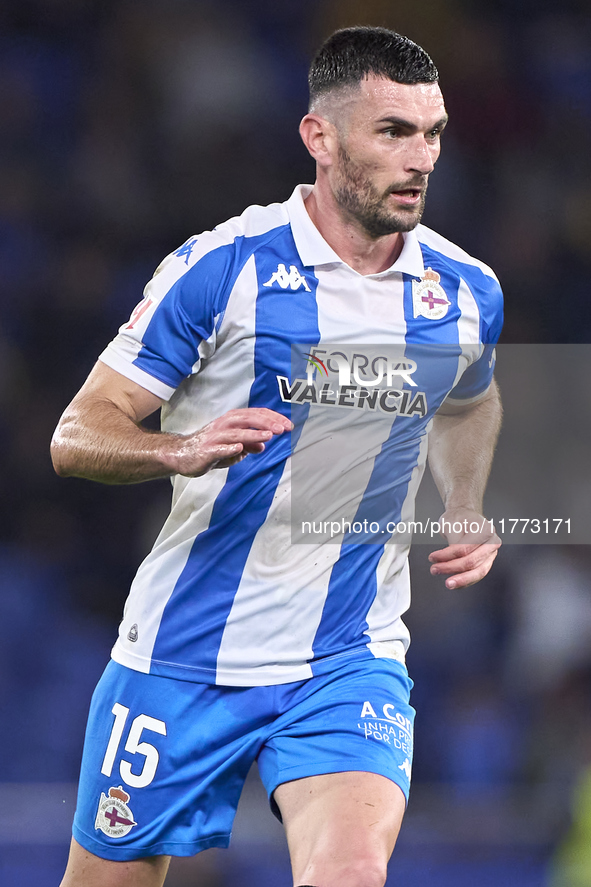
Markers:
<point>224,597</point>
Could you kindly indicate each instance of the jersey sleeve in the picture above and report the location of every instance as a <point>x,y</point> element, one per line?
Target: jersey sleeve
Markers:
<point>174,327</point>
<point>476,379</point>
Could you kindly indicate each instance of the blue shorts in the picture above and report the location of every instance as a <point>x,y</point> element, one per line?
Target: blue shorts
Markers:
<point>165,760</point>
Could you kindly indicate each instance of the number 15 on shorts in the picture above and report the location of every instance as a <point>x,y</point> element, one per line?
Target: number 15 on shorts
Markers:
<point>133,746</point>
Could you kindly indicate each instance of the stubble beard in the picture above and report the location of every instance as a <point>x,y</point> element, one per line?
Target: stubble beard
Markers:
<point>361,200</point>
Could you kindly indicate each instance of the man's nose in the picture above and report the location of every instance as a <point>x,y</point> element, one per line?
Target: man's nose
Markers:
<point>421,155</point>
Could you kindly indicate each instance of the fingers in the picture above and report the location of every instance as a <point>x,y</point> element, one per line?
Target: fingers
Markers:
<point>462,550</point>
<point>463,565</point>
<point>259,418</point>
<point>228,440</point>
<point>249,428</point>
<point>229,461</point>
<point>470,577</point>
<point>235,455</point>
<point>232,439</point>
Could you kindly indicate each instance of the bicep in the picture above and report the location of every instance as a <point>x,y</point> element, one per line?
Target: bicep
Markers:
<point>455,408</point>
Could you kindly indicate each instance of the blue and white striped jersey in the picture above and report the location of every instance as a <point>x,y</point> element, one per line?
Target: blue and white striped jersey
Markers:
<point>225,596</point>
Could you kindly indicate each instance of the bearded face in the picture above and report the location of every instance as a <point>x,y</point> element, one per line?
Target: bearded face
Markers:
<point>379,211</point>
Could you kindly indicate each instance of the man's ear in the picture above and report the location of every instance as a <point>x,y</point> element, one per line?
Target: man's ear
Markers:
<point>320,138</point>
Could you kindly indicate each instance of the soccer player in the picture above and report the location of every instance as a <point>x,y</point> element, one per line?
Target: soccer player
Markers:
<point>237,645</point>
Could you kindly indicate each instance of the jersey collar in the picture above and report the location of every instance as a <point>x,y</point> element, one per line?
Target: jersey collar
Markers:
<point>314,250</point>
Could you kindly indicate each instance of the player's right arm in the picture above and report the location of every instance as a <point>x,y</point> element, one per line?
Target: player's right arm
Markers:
<point>100,436</point>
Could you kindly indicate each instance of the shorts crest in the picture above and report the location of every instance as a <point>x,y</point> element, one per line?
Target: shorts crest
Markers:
<point>113,816</point>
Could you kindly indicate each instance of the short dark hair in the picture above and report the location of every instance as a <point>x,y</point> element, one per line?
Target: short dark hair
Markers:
<point>352,54</point>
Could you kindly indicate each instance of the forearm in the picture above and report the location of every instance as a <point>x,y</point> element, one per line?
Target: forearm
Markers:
<point>97,441</point>
<point>100,436</point>
<point>461,447</point>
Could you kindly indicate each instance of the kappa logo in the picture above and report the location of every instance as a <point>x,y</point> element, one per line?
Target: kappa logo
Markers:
<point>185,250</point>
<point>406,767</point>
<point>114,818</point>
<point>285,278</point>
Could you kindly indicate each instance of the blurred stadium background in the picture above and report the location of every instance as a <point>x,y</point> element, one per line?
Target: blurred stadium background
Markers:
<point>126,126</point>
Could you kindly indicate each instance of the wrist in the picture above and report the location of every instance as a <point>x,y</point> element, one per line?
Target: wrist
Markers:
<point>463,505</point>
<point>167,450</point>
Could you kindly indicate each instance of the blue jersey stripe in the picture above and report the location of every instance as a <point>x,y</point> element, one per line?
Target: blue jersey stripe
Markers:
<point>196,613</point>
<point>351,591</point>
<point>484,288</point>
<point>353,583</point>
<point>487,294</point>
<point>489,297</point>
<point>186,316</point>
<point>426,329</point>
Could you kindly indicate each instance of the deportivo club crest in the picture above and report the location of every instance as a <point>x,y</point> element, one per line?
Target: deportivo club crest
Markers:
<point>113,816</point>
<point>428,296</point>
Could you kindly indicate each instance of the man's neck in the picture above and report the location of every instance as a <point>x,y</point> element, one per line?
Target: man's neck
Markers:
<point>351,243</point>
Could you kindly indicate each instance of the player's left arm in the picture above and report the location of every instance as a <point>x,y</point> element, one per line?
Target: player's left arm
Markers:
<point>461,446</point>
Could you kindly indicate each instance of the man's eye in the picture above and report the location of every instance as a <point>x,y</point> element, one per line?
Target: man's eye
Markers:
<point>434,134</point>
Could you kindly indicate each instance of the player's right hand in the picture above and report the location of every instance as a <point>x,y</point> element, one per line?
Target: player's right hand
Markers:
<point>225,441</point>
